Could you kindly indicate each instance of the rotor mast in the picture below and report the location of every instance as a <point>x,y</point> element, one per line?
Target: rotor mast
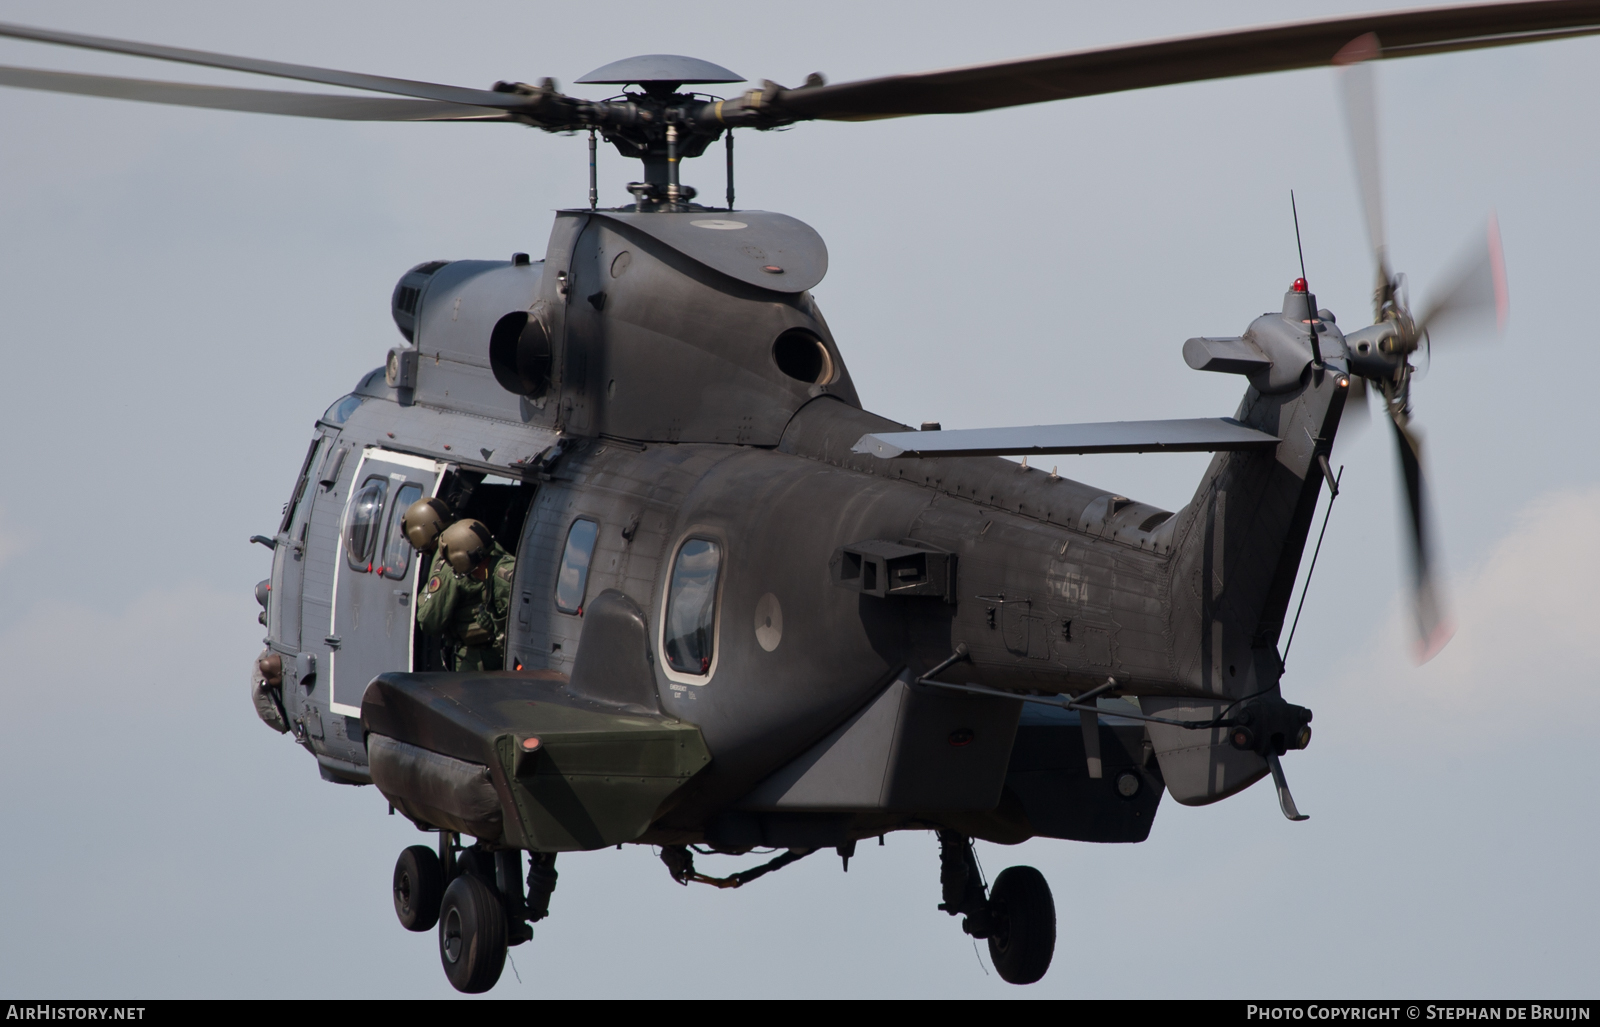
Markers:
<point>658,125</point>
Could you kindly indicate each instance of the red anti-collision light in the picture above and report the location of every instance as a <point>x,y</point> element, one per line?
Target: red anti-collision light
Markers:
<point>530,744</point>
<point>1299,285</point>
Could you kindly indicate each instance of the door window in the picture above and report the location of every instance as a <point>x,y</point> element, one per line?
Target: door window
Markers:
<point>573,578</point>
<point>362,523</point>
<point>692,607</point>
<point>396,550</point>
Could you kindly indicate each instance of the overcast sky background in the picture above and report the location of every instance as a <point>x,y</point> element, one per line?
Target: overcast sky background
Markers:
<point>183,291</point>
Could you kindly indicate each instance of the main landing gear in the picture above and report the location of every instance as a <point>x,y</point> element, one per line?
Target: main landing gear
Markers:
<point>475,897</point>
<point>1017,916</point>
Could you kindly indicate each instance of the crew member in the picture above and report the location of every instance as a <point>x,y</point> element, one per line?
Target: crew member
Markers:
<point>467,597</point>
<point>424,521</point>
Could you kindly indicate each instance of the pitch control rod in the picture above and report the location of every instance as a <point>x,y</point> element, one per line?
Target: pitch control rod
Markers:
<point>1081,703</point>
<point>680,864</point>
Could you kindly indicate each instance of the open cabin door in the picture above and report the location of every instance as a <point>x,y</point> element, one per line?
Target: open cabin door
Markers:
<point>375,575</point>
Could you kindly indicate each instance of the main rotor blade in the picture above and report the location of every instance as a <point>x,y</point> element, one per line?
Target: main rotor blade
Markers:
<point>258,101</point>
<point>1474,291</point>
<point>1189,59</point>
<point>279,69</point>
<point>1433,626</point>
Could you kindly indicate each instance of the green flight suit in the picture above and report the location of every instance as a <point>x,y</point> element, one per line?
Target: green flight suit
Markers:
<point>467,613</point>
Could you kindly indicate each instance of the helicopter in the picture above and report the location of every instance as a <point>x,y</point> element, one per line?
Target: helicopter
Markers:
<point>939,605</point>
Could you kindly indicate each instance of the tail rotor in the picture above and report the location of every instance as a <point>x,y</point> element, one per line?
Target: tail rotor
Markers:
<point>1473,295</point>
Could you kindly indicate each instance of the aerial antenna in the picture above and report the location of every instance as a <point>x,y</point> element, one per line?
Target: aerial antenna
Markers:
<point>1311,315</point>
<point>730,169</point>
<point>1295,210</point>
<point>1283,661</point>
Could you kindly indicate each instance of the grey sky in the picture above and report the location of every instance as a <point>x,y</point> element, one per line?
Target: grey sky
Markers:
<point>182,292</point>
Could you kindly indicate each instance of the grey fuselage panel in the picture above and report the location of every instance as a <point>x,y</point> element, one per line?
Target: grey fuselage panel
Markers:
<point>669,417</point>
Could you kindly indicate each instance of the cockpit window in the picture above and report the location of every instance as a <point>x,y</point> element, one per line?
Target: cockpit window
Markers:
<point>299,486</point>
<point>396,550</point>
<point>574,576</point>
<point>362,522</point>
<point>692,607</point>
<point>340,412</point>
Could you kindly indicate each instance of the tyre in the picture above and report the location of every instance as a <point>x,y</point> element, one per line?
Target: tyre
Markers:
<point>1025,925</point>
<point>472,935</point>
<point>418,888</point>
<point>477,863</point>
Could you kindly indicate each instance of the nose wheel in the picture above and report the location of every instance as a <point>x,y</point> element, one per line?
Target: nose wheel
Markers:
<point>1017,916</point>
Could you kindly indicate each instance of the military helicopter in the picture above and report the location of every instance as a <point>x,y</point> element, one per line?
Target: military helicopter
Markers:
<point>748,614</point>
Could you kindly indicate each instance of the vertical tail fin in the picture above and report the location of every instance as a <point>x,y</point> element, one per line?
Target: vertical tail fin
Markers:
<point>1240,542</point>
<point>1244,536</point>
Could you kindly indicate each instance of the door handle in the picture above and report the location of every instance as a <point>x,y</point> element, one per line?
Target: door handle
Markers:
<point>402,593</point>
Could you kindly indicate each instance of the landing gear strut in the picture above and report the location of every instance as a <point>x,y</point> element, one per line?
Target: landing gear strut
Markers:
<point>475,897</point>
<point>1017,916</point>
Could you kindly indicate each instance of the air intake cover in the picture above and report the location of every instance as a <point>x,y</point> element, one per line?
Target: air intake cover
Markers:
<point>407,299</point>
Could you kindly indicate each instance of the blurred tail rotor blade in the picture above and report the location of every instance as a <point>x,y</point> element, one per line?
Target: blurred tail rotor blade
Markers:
<point>1359,94</point>
<point>1434,628</point>
<point>1357,403</point>
<point>1357,413</point>
<point>1361,120</point>
<point>1475,292</point>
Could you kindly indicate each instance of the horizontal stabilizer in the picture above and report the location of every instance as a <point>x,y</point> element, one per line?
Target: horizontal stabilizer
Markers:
<point>1229,356</point>
<point>1191,435</point>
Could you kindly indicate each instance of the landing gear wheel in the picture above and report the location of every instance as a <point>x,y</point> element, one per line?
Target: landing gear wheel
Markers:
<point>418,888</point>
<point>472,935</point>
<point>477,863</point>
<point>1024,938</point>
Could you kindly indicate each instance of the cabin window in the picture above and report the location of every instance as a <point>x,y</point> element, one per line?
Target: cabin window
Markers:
<point>396,550</point>
<point>573,577</point>
<point>340,412</point>
<point>692,607</point>
<point>362,522</point>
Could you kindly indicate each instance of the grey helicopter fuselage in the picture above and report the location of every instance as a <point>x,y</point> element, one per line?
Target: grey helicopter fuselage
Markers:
<point>668,376</point>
